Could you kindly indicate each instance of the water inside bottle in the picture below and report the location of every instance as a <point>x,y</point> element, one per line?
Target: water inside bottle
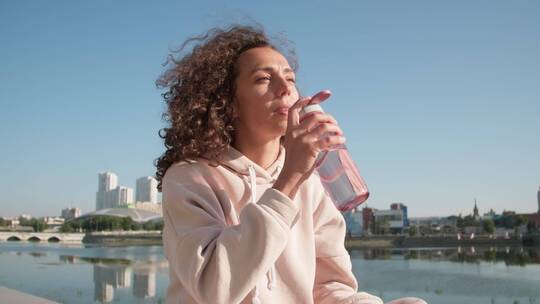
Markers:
<point>341,179</point>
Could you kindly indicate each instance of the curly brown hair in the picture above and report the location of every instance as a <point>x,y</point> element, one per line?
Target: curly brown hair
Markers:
<point>200,89</point>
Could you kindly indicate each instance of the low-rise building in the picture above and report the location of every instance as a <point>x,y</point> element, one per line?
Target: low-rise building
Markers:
<point>368,221</point>
<point>53,220</point>
<point>533,221</point>
<point>389,221</point>
<point>427,225</point>
<point>13,222</point>
<point>354,222</point>
<point>149,206</point>
<point>71,213</point>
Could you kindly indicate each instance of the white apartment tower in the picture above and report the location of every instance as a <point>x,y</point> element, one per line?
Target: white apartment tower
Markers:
<point>146,190</point>
<point>107,181</point>
<point>121,196</point>
<point>109,194</point>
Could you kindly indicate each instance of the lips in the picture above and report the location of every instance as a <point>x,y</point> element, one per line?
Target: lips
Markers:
<point>282,110</point>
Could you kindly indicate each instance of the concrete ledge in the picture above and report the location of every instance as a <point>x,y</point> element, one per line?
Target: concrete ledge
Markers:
<point>12,296</point>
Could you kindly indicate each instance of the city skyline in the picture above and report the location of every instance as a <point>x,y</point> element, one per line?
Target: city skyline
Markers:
<point>111,195</point>
<point>439,103</point>
<point>114,185</point>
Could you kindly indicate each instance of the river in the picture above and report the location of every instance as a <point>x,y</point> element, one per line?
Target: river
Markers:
<point>139,274</point>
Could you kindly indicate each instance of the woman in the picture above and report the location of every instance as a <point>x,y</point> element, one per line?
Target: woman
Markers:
<point>246,222</point>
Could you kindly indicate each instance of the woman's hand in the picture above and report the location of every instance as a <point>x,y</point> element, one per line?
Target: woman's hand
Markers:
<point>304,141</point>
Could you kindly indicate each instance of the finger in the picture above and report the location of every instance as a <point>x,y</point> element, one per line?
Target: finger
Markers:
<point>294,111</point>
<point>323,130</point>
<point>314,119</point>
<point>320,97</point>
<point>330,142</point>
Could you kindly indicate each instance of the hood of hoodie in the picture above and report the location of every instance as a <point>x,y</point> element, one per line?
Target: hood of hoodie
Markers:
<point>237,162</point>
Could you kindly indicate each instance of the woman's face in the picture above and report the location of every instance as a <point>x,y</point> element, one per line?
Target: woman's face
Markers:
<point>265,89</point>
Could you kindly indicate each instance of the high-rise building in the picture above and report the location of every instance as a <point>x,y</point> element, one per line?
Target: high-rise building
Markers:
<point>107,181</point>
<point>120,197</point>
<point>146,190</point>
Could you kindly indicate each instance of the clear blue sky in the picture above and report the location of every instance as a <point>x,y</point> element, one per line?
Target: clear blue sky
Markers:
<point>439,101</point>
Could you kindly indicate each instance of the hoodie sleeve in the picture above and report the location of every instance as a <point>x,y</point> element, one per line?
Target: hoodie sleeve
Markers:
<point>334,279</point>
<point>217,263</point>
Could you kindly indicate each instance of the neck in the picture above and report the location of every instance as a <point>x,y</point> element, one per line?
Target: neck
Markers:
<point>262,152</point>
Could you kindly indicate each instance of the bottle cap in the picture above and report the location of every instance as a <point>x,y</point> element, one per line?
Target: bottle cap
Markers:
<point>311,108</point>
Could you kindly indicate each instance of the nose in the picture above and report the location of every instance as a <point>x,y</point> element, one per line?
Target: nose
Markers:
<point>283,87</point>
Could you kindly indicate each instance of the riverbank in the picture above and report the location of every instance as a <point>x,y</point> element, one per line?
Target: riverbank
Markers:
<point>154,238</point>
<point>432,241</point>
<point>121,238</point>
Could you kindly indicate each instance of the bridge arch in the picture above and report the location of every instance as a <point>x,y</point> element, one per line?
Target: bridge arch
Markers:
<point>14,238</point>
<point>34,239</point>
<point>54,239</point>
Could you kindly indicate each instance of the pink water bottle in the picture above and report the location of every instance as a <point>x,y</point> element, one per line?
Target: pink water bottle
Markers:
<point>339,175</point>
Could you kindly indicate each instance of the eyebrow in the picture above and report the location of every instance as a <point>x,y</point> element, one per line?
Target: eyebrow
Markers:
<point>270,69</point>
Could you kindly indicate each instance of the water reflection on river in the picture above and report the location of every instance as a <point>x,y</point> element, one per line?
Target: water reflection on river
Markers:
<point>84,274</point>
<point>508,255</point>
<point>139,274</point>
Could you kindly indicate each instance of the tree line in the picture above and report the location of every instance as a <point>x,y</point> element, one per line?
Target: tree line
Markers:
<point>97,223</point>
<point>37,224</point>
<point>108,223</point>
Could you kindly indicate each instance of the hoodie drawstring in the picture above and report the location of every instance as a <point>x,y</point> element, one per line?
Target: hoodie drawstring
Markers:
<point>270,274</point>
<point>253,183</point>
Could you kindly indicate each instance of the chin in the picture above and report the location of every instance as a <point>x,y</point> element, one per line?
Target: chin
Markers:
<point>282,129</point>
<point>277,132</point>
<point>275,129</point>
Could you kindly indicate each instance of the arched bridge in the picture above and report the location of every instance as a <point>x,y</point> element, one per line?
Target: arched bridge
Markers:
<point>41,236</point>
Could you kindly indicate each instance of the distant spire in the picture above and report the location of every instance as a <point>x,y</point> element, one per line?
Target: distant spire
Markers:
<point>475,208</point>
<point>538,198</point>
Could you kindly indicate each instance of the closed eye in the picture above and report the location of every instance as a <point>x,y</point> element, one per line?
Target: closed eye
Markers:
<point>264,78</point>
<point>268,78</point>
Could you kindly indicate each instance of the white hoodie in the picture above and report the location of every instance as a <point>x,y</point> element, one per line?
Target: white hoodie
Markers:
<point>231,238</point>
